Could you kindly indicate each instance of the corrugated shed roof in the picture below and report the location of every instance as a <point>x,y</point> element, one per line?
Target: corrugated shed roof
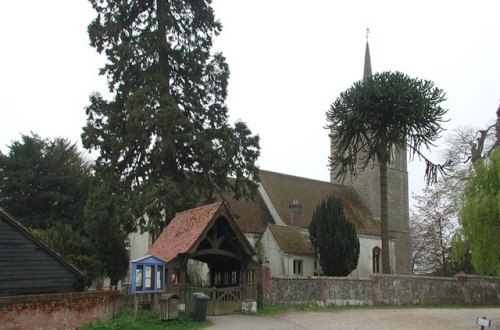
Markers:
<point>283,189</point>
<point>291,239</point>
<point>183,232</point>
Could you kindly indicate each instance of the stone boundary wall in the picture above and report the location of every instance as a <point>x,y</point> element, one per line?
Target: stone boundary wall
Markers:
<point>58,311</point>
<point>385,290</point>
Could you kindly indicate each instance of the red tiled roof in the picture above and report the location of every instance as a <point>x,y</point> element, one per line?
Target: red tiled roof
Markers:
<point>183,232</point>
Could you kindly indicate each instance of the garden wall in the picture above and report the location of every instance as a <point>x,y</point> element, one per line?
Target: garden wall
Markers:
<point>385,290</point>
<point>58,311</point>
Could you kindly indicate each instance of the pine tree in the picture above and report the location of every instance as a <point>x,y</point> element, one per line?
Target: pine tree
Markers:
<point>164,140</point>
<point>334,239</point>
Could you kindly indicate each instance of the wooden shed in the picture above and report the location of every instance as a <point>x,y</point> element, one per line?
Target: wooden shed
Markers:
<point>29,266</point>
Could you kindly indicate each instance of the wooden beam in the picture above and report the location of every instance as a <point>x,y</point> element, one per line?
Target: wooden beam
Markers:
<point>219,252</point>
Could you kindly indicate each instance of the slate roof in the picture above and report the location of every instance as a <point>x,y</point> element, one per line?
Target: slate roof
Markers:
<point>251,216</point>
<point>282,189</point>
<point>187,229</point>
<point>291,239</point>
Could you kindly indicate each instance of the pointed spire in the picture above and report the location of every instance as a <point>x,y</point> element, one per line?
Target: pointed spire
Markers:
<point>368,64</point>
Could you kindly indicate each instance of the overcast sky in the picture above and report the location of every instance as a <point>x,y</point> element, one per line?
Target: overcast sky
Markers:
<point>289,61</point>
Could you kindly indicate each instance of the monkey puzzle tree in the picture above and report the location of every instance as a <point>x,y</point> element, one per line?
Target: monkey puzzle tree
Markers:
<point>334,239</point>
<point>388,110</point>
<point>164,136</point>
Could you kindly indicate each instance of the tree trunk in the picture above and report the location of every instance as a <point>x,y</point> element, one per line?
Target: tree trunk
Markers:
<point>166,105</point>
<point>442,246</point>
<point>384,216</point>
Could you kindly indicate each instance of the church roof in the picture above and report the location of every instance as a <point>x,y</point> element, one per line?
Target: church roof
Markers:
<point>291,239</point>
<point>282,189</point>
<point>251,216</point>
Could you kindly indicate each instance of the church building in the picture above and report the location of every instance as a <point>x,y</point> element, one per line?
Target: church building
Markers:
<point>276,221</point>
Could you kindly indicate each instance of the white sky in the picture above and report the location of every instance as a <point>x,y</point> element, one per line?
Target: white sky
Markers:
<point>289,60</point>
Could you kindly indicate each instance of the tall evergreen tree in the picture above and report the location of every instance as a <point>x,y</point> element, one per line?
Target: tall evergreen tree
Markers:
<point>107,228</point>
<point>75,247</point>
<point>386,111</point>
<point>334,239</point>
<point>164,137</point>
<point>44,182</point>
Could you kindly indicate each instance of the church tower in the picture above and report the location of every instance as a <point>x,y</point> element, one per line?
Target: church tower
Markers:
<point>367,185</point>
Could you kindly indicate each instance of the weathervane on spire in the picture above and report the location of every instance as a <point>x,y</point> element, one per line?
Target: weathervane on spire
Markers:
<point>367,33</point>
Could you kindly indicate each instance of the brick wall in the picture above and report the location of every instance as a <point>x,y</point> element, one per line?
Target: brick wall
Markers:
<point>385,290</point>
<point>58,311</point>
<point>264,291</point>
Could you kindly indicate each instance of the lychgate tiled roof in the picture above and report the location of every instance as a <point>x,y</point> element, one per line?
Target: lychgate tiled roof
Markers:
<point>291,239</point>
<point>282,189</point>
<point>187,229</point>
<point>183,232</point>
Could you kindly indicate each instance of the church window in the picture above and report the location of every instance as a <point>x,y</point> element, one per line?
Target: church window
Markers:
<point>376,253</point>
<point>392,156</point>
<point>297,267</point>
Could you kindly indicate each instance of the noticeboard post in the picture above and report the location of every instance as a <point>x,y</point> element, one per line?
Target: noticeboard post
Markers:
<point>147,277</point>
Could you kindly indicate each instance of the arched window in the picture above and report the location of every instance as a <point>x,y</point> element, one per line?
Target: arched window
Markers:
<point>376,253</point>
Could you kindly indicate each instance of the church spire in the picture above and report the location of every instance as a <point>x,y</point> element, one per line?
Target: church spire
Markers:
<point>368,64</point>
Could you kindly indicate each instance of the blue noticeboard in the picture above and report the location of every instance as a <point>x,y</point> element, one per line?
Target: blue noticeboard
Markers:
<point>148,275</point>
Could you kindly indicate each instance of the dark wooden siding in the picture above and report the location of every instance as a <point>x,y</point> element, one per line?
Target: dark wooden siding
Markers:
<point>26,267</point>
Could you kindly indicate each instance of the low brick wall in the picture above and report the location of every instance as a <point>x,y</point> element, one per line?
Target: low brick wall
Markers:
<point>385,290</point>
<point>58,311</point>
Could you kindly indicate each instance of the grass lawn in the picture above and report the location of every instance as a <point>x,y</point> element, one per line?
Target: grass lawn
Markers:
<point>146,320</point>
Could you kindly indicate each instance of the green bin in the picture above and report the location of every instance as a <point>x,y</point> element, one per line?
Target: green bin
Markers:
<point>200,304</point>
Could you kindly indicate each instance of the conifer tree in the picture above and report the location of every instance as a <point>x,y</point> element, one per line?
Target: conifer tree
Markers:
<point>163,138</point>
<point>334,239</point>
<point>44,182</point>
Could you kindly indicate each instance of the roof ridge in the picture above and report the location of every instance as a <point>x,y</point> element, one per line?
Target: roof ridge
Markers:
<point>199,207</point>
<point>306,179</point>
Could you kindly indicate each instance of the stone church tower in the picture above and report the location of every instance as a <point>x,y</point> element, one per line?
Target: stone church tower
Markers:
<point>367,184</point>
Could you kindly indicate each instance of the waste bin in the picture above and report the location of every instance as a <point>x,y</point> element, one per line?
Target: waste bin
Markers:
<point>200,305</point>
<point>169,307</point>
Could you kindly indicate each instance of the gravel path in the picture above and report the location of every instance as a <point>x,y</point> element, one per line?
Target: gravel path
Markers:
<point>369,318</point>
